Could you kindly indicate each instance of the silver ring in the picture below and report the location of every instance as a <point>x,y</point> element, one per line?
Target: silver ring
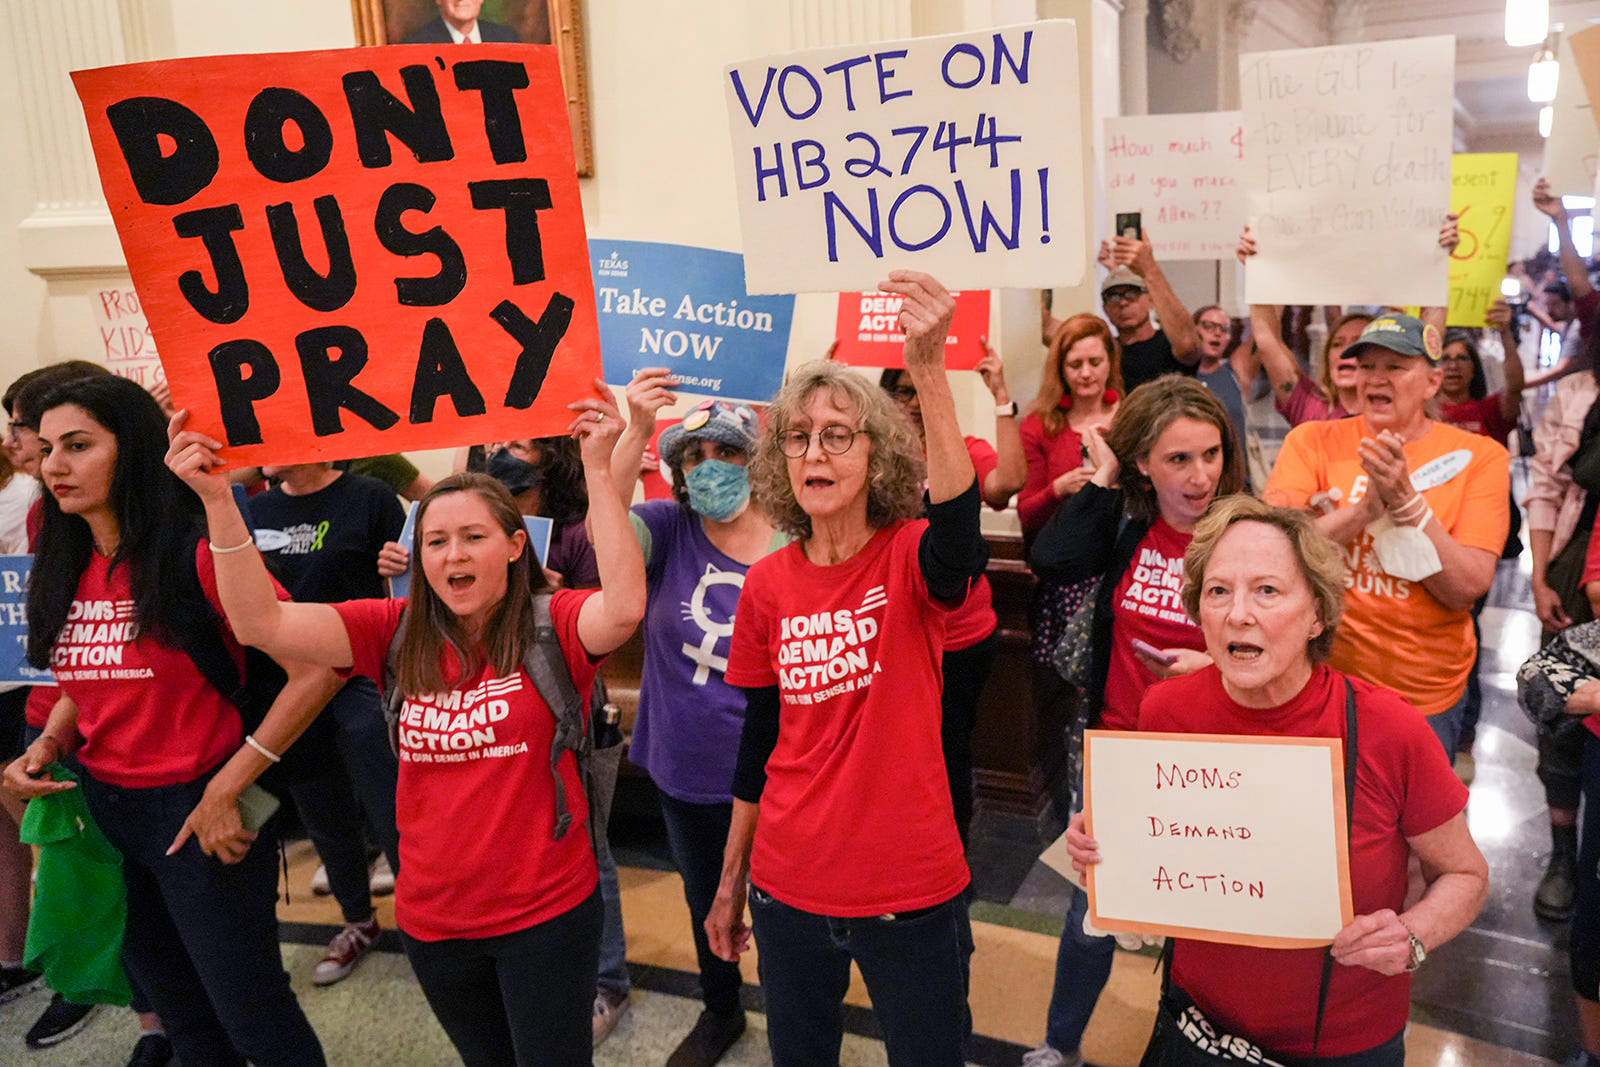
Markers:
<point>599,416</point>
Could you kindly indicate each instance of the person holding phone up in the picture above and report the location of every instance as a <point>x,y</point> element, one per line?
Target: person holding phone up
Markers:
<point>1170,451</point>
<point>1135,287</point>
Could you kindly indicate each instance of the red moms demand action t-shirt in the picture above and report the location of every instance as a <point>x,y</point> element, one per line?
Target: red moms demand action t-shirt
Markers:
<point>147,715</point>
<point>1146,605</point>
<point>476,803</point>
<point>1404,788</point>
<point>856,817</point>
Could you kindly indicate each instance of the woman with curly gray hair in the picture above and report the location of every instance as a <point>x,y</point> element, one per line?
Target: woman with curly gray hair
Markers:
<point>842,817</point>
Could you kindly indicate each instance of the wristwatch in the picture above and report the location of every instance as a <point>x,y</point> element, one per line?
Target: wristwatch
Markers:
<point>1006,411</point>
<point>1419,951</point>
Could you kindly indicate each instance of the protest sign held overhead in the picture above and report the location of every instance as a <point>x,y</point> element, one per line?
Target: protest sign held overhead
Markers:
<point>353,252</point>
<point>958,155</point>
<point>1240,840</point>
<point>869,335</point>
<point>686,309</point>
<point>1182,174</point>
<point>1483,195</point>
<point>1572,151</point>
<point>1347,171</point>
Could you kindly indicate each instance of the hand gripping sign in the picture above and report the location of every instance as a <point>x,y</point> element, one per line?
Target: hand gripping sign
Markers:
<point>958,155</point>
<point>353,252</point>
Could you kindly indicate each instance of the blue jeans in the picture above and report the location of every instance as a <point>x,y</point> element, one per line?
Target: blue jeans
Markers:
<point>1083,966</point>
<point>202,936</point>
<point>613,945</point>
<point>1446,726</point>
<point>696,834</point>
<point>914,965</point>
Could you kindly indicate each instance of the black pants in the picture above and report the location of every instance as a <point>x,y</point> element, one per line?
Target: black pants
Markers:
<point>1585,939</point>
<point>915,967</point>
<point>523,998</point>
<point>362,780</point>
<point>965,672</point>
<point>697,834</point>
<point>202,937</point>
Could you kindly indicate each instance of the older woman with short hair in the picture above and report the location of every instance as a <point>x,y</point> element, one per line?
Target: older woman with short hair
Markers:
<point>842,817</point>
<point>1265,586</point>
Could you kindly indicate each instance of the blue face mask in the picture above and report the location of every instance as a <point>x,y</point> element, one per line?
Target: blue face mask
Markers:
<point>718,490</point>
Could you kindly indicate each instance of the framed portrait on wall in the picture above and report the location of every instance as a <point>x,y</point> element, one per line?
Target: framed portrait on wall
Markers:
<point>557,22</point>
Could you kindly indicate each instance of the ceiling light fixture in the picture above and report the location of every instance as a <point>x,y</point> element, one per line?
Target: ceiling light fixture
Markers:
<point>1527,22</point>
<point>1547,115</point>
<point>1544,74</point>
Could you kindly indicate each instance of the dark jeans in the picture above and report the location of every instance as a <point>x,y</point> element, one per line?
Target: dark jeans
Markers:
<point>914,966</point>
<point>202,937</point>
<point>362,780</point>
<point>696,834</point>
<point>965,672</point>
<point>1585,938</point>
<point>1083,966</point>
<point>523,998</point>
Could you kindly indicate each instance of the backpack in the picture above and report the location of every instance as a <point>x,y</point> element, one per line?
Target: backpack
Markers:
<point>547,667</point>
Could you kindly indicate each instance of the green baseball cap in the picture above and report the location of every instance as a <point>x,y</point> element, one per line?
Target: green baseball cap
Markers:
<point>1402,334</point>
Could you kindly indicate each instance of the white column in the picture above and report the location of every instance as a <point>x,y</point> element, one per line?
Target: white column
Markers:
<point>1347,21</point>
<point>820,23</point>
<point>1135,57</point>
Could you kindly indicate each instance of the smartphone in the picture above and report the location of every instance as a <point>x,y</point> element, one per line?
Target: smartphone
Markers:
<point>1130,225</point>
<point>1145,648</point>
<point>256,806</point>
<point>1047,299</point>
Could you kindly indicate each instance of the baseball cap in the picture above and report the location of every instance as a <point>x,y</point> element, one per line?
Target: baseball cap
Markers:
<point>1122,278</point>
<point>1403,334</point>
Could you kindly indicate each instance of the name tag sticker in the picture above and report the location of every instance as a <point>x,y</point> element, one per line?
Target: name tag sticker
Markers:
<point>1436,472</point>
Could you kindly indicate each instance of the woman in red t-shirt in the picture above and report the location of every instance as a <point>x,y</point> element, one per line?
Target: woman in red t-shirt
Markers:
<point>500,914</point>
<point>119,592</point>
<point>1172,450</point>
<point>1266,587</point>
<point>842,817</point>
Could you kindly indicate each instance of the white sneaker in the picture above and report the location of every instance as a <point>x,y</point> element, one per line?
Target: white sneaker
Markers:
<point>382,880</point>
<point>319,882</point>
<point>1045,1056</point>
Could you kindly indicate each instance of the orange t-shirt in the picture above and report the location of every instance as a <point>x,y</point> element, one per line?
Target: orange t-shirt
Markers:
<point>1394,632</point>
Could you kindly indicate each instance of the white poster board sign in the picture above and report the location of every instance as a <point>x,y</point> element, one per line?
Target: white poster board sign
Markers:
<point>1573,147</point>
<point>1347,171</point>
<point>959,155</point>
<point>127,345</point>
<point>1182,174</point>
<point>1234,839</point>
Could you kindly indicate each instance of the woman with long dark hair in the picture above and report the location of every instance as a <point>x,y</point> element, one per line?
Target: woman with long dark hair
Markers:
<point>122,586</point>
<point>497,899</point>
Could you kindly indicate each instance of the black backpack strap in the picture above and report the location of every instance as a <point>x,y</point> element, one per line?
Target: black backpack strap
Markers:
<point>1350,751</point>
<point>547,667</point>
<point>389,683</point>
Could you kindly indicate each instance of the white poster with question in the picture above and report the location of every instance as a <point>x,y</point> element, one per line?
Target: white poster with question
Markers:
<point>1182,174</point>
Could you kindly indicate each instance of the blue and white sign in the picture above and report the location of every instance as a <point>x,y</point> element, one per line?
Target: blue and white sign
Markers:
<point>686,309</point>
<point>539,532</point>
<point>14,623</point>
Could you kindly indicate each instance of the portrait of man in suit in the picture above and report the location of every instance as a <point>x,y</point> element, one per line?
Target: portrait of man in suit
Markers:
<point>458,22</point>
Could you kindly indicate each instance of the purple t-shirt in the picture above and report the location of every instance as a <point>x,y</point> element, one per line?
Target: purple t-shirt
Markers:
<point>687,730</point>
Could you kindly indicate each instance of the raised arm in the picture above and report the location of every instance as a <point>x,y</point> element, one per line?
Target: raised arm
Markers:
<point>1011,472</point>
<point>1176,322</point>
<point>286,631</point>
<point>648,393</point>
<point>1499,317</point>
<point>925,317</point>
<point>609,617</point>
<point>1571,263</point>
<point>1449,238</point>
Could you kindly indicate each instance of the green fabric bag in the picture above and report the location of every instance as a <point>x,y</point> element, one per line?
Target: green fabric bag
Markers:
<point>80,901</point>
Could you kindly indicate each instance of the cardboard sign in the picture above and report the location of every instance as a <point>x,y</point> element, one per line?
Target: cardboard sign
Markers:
<point>1182,174</point>
<point>539,531</point>
<point>1240,840</point>
<point>1347,172</point>
<point>958,155</point>
<point>1483,193</point>
<point>1572,150</point>
<point>356,252</point>
<point>1584,46</point>
<point>14,666</point>
<point>127,344</point>
<point>685,309</point>
<point>868,330</point>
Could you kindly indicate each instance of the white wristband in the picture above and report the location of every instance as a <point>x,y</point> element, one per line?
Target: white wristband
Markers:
<point>248,542</point>
<point>250,739</point>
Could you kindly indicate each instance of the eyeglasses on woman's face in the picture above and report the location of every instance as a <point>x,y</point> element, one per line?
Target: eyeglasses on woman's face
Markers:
<point>835,439</point>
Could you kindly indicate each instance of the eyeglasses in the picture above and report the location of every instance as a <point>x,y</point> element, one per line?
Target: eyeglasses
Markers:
<point>1121,296</point>
<point>1448,358</point>
<point>905,394</point>
<point>1212,327</point>
<point>834,438</point>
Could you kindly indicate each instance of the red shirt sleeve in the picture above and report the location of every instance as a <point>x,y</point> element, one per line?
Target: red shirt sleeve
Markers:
<point>749,657</point>
<point>984,458</point>
<point>370,625</point>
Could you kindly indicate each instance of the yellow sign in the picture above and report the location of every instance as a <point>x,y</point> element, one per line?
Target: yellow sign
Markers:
<point>1483,193</point>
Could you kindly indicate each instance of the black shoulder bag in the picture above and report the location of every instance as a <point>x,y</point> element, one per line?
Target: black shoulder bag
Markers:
<point>1183,1036</point>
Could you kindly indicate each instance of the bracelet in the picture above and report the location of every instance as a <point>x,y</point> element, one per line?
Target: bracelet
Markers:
<point>61,748</point>
<point>1410,509</point>
<point>215,551</point>
<point>250,739</point>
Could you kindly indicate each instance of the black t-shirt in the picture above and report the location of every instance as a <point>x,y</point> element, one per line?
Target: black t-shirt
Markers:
<point>1149,359</point>
<point>324,546</point>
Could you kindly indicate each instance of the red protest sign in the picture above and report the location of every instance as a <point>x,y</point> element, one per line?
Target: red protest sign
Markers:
<point>869,333</point>
<point>353,252</point>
